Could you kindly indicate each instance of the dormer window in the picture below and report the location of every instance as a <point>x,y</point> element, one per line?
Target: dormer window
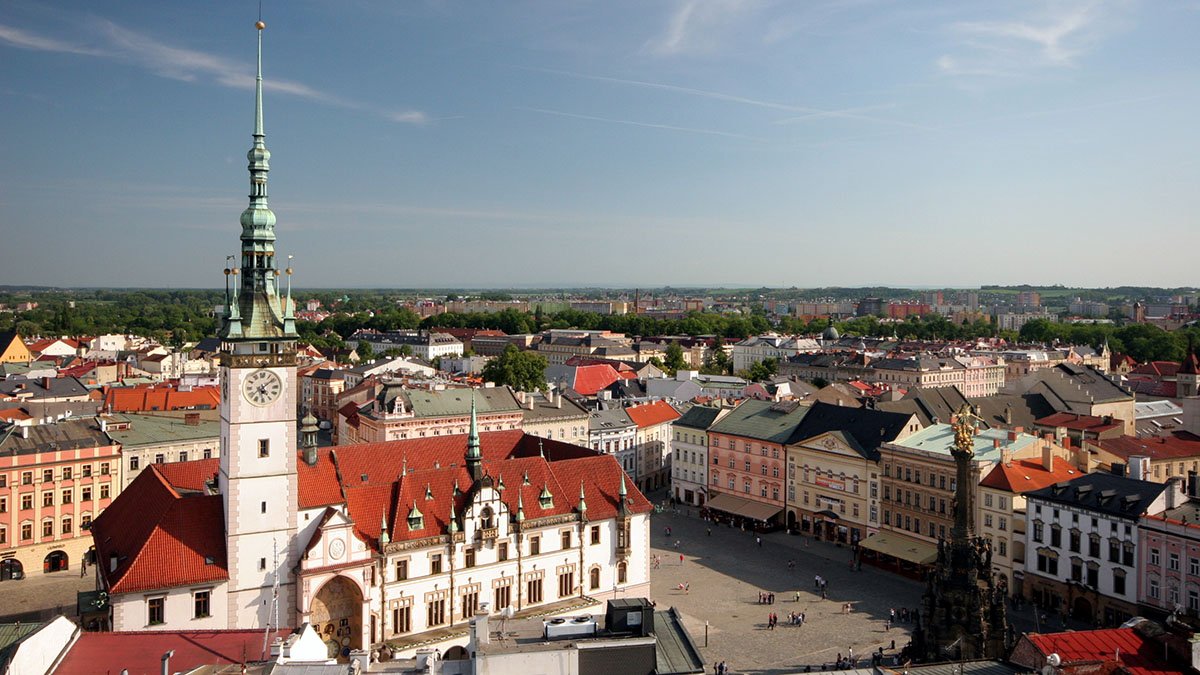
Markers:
<point>416,520</point>
<point>545,499</point>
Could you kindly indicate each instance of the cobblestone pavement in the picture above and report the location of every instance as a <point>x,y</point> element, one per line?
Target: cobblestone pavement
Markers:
<point>41,597</point>
<point>726,570</point>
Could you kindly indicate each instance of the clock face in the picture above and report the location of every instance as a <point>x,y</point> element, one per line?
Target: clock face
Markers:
<point>262,387</point>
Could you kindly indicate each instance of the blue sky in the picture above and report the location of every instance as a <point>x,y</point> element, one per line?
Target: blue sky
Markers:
<point>609,143</point>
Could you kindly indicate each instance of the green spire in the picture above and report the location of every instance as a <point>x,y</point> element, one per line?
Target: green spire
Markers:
<point>383,531</point>
<point>474,456</point>
<point>582,501</point>
<point>520,509</point>
<point>453,521</point>
<point>258,312</point>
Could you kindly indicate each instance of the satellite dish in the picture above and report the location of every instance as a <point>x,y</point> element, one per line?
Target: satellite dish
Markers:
<point>1054,660</point>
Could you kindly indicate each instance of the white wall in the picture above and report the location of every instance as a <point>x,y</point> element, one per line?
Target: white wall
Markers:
<point>131,610</point>
<point>39,651</point>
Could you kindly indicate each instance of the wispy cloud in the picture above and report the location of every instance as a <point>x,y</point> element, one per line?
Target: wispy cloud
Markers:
<point>693,26</point>
<point>648,125</point>
<point>804,112</point>
<point>21,39</point>
<point>1055,38</point>
<point>190,65</point>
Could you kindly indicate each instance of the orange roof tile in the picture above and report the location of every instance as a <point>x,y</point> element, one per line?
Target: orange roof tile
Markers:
<point>1025,475</point>
<point>192,476</point>
<point>141,651</point>
<point>160,537</point>
<point>591,379</point>
<point>162,397</point>
<point>652,414</point>
<point>1179,445</point>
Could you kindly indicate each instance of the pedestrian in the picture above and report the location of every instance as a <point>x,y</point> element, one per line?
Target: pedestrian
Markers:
<point>887,624</point>
<point>687,588</point>
<point>772,599</point>
<point>680,558</point>
<point>851,654</point>
<point>892,614</point>
<point>758,540</point>
<point>823,593</point>
<point>797,596</point>
<point>803,618</point>
<point>817,582</point>
<point>709,530</point>
<point>668,530</point>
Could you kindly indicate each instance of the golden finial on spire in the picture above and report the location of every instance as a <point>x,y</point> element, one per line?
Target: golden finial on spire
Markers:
<point>260,24</point>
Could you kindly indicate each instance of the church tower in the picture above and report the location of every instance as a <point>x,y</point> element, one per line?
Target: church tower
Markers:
<point>257,475</point>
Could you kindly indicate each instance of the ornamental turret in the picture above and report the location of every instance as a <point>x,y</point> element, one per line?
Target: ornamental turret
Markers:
<point>474,456</point>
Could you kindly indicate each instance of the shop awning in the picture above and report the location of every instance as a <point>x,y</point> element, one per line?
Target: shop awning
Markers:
<point>740,506</point>
<point>902,547</point>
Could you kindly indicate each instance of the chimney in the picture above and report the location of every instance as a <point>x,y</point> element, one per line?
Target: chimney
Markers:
<point>192,419</point>
<point>1047,456</point>
<point>996,443</point>
<point>1139,467</point>
<point>1006,456</point>
<point>1012,436</point>
<point>1066,442</point>
<point>46,383</point>
<point>1175,495</point>
<point>558,400</point>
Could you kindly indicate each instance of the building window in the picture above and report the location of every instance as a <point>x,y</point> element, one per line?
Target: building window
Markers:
<point>401,619</point>
<point>85,493</point>
<point>535,545</point>
<point>595,534</point>
<point>66,525</point>
<point>26,531</point>
<point>1055,536</point>
<point>987,520</point>
<point>1127,555</point>
<point>264,450</point>
<point>565,535</point>
<point>502,551</point>
<point>85,521</point>
<point>262,564</point>
<point>134,462</point>
<point>1154,557</point>
<point>435,614</point>
<point>470,603</point>
<point>3,504</point>
<point>594,578</point>
<point>47,528</point>
<point>66,473</point>
<point>1153,588</point>
<point>1194,567</point>
<point>533,591</point>
<point>435,563</point>
<point>47,499</point>
<point>104,491</point>
<point>201,605</point>
<point>1073,541</point>
<point>26,502</point>
<point>86,470</point>
<point>160,458</point>
<point>26,478</point>
<point>622,573</point>
<point>1093,576</point>
<point>155,611</point>
<point>104,468</point>
<point>566,584</point>
<point>401,570</point>
<point>3,535</point>
<point>1119,582</point>
<point>1003,548</point>
<point>183,456</point>
<point>47,475</point>
<point>1037,532</point>
<point>1173,562</point>
<point>468,561</point>
<point>503,595</point>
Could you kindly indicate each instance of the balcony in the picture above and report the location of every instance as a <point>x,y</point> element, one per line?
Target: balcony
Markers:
<point>488,534</point>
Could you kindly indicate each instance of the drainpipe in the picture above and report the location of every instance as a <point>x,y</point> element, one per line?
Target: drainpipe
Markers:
<point>166,662</point>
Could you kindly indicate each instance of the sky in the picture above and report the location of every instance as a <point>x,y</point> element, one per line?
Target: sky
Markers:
<point>613,143</point>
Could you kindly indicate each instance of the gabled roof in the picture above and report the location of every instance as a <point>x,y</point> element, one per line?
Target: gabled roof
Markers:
<point>870,428</point>
<point>1157,368</point>
<point>762,420</point>
<point>652,414</point>
<point>588,380</point>
<point>1077,422</point>
<point>699,417</point>
<point>1104,493</point>
<point>161,397</point>
<point>141,652</point>
<point>190,476</point>
<point>160,537</point>
<point>1025,475</point>
<point>1179,445</point>
<point>1125,646</point>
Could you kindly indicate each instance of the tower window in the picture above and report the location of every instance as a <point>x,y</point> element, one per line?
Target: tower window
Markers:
<point>262,564</point>
<point>264,447</point>
<point>264,507</point>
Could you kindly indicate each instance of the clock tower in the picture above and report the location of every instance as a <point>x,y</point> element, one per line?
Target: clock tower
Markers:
<point>257,477</point>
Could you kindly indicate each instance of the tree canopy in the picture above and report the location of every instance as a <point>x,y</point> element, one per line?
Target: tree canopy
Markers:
<point>521,370</point>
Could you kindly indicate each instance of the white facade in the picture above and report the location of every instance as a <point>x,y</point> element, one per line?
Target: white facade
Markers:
<point>258,484</point>
<point>689,465</point>
<point>758,348</point>
<point>200,607</point>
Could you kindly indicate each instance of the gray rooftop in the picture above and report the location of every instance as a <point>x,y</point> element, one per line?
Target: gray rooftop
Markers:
<point>158,429</point>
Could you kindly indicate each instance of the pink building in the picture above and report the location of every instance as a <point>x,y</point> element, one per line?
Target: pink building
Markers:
<point>748,469</point>
<point>1170,558</point>
<point>54,479</point>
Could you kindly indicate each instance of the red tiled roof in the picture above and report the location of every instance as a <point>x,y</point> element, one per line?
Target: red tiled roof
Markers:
<point>619,366</point>
<point>376,489</point>
<point>14,415</point>
<point>1025,475</point>
<point>141,652</point>
<point>192,476</point>
<point>652,414</point>
<point>135,399</point>
<point>1190,365</point>
<point>1139,655</point>
<point>160,537</point>
<point>1179,445</point>
<point>1157,368</point>
<point>1078,422</point>
<point>591,379</point>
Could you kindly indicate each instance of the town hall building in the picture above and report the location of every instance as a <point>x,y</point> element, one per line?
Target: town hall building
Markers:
<point>399,542</point>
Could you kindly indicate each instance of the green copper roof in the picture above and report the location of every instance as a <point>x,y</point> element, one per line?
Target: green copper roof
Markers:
<point>761,420</point>
<point>257,311</point>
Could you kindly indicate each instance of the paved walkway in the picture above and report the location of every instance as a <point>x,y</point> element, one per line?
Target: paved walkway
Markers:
<point>42,596</point>
<point>726,570</point>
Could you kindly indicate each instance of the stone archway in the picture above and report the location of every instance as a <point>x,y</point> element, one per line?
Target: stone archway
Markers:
<point>55,561</point>
<point>791,520</point>
<point>336,613</point>
<point>10,568</point>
